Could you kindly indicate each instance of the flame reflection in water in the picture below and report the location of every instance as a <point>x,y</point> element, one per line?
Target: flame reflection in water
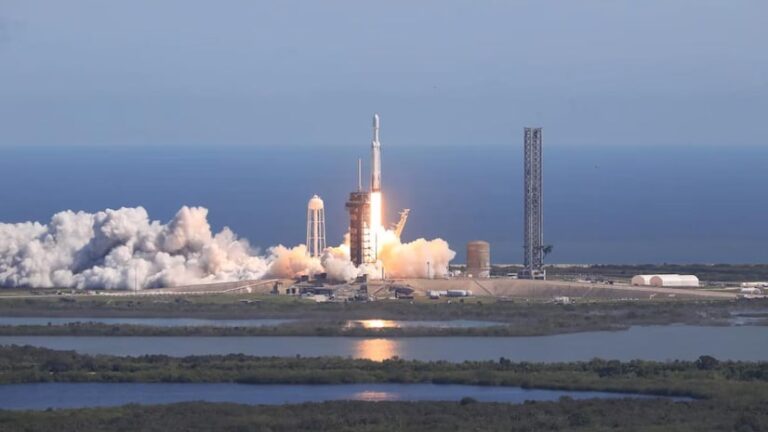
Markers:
<point>375,396</point>
<point>376,349</point>
<point>373,324</point>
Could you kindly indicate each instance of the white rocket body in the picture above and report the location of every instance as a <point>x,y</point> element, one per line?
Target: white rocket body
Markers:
<point>375,157</point>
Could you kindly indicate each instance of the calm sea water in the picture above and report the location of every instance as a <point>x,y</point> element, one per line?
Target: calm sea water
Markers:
<point>609,205</point>
<point>749,343</point>
<point>80,395</point>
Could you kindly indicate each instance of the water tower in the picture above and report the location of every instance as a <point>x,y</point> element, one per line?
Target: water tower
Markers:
<point>315,227</point>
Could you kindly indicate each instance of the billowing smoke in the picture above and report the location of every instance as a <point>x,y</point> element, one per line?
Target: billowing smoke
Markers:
<point>119,249</point>
<point>419,258</point>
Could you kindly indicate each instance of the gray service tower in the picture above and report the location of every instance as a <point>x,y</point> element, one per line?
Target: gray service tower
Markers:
<point>533,229</point>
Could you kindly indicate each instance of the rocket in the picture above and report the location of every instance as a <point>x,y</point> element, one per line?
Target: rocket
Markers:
<point>375,157</point>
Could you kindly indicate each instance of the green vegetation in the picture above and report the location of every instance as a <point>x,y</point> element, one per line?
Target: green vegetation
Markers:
<point>732,394</point>
<point>705,378</point>
<point>265,306</point>
<point>308,328</point>
<point>565,415</point>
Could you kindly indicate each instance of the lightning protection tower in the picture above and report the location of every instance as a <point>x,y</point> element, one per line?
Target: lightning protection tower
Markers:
<point>533,230</point>
<point>315,227</point>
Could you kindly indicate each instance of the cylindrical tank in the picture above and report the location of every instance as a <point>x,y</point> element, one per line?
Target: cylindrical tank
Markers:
<point>315,203</point>
<point>479,259</point>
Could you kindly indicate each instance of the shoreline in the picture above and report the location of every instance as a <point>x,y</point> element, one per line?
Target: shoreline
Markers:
<point>311,329</point>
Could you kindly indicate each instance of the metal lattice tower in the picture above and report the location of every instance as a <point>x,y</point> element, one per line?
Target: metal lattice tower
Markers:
<point>533,230</point>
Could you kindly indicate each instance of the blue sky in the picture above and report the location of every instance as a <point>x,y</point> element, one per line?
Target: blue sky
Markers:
<point>442,73</point>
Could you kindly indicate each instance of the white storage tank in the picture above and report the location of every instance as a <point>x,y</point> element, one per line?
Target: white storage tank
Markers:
<point>479,259</point>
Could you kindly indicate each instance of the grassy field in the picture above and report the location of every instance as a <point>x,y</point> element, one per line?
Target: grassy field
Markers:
<point>731,395</point>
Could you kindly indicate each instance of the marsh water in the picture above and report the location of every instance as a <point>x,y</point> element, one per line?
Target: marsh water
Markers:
<point>153,322</point>
<point>40,396</point>
<point>205,322</point>
<point>748,343</point>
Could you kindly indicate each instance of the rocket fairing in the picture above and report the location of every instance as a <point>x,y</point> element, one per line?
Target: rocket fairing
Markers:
<point>375,157</point>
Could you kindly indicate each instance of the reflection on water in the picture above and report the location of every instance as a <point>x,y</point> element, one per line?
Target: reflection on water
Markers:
<point>39,396</point>
<point>373,324</point>
<point>381,324</point>
<point>748,343</point>
<point>376,349</point>
<point>374,396</point>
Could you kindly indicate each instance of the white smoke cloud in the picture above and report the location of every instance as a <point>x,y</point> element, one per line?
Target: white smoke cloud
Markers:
<point>115,249</point>
<point>419,258</point>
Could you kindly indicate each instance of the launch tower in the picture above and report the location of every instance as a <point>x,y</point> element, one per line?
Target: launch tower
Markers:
<point>359,208</point>
<point>533,230</point>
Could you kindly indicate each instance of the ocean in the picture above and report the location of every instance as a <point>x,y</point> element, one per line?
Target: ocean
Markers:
<point>643,204</point>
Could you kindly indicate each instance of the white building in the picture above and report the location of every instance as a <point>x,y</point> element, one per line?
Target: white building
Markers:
<point>666,280</point>
<point>641,280</point>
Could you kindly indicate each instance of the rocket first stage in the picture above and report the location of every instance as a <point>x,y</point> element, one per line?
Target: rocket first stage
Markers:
<point>375,157</point>
<point>377,211</point>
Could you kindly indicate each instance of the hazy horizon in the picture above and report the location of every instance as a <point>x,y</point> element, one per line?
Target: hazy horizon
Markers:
<point>652,112</point>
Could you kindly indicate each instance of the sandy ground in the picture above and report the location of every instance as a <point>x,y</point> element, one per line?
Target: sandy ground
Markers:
<point>497,287</point>
<point>249,286</point>
<point>504,287</point>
